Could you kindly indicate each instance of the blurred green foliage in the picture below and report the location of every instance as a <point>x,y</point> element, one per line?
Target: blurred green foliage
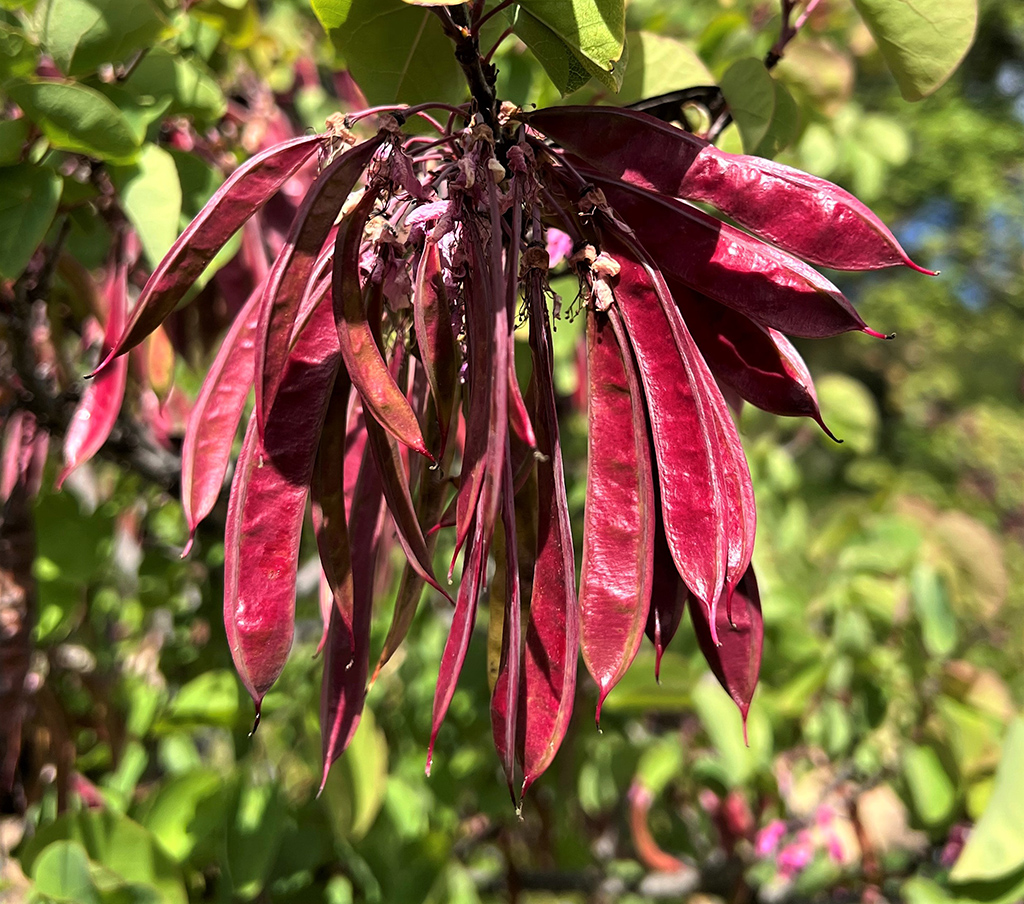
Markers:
<point>889,714</point>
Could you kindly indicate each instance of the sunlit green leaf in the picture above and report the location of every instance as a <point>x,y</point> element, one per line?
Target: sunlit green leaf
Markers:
<point>931,604</point>
<point>62,873</point>
<point>81,35</point>
<point>785,124</point>
<point>658,65</point>
<point>595,29</point>
<point>922,41</point>
<point>995,848</point>
<point>191,89</point>
<point>563,66</point>
<point>254,836</point>
<point>210,698</point>
<point>931,789</point>
<point>76,118</point>
<point>150,195</point>
<point>396,52</point>
<point>123,848</point>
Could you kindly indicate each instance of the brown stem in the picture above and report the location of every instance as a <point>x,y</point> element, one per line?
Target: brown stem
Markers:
<point>480,75</point>
<point>505,4</point>
<point>788,31</point>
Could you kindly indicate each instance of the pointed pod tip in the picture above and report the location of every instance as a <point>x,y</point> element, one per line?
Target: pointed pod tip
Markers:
<point>323,778</point>
<point>821,423</point>
<point>188,545</point>
<point>878,335</point>
<point>527,784</point>
<point>919,268</point>
<point>605,689</point>
<point>430,752</point>
<point>746,737</point>
<point>59,482</point>
<point>712,624</point>
<point>256,721</point>
<point>96,371</point>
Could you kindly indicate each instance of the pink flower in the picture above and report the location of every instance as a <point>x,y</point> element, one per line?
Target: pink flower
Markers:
<point>794,857</point>
<point>559,246</point>
<point>769,837</point>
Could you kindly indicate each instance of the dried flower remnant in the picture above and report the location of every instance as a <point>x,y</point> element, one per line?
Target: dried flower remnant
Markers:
<point>383,342</point>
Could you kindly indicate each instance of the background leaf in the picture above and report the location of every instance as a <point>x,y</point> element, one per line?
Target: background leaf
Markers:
<point>396,52</point>
<point>76,118</point>
<point>27,207</point>
<point>750,92</point>
<point>151,197</point>
<point>81,35</point>
<point>995,848</point>
<point>922,41</point>
<point>62,872</point>
<point>658,65</point>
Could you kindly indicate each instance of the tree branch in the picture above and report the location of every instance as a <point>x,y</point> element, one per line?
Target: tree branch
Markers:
<point>788,31</point>
<point>479,75</point>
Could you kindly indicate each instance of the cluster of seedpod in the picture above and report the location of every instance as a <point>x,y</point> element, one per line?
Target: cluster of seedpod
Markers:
<point>381,348</point>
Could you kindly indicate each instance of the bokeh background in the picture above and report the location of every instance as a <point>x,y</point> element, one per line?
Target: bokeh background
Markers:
<point>886,754</point>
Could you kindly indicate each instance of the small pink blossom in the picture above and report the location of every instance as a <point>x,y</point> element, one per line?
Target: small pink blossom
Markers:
<point>954,844</point>
<point>769,837</point>
<point>794,857</point>
<point>559,246</point>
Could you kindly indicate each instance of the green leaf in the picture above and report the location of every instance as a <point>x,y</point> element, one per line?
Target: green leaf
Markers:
<point>210,699</point>
<point>750,92</point>
<point>331,13</point>
<point>191,89</point>
<point>13,135</point>
<point>254,837</point>
<point>140,110</point>
<point>396,52</point>
<point>785,124</point>
<point>722,721</point>
<point>850,410</point>
<point>594,29</point>
<point>658,65</point>
<point>922,41</point>
<point>185,811</point>
<point>81,35</point>
<point>125,850</point>
<point>28,204</point>
<point>151,197</point>
<point>931,789</point>
<point>931,605</point>
<point>995,848</point>
<point>563,66</point>
<point>357,785</point>
<point>659,764</point>
<point>76,118</point>
<point>17,55</point>
<point>62,872</point>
